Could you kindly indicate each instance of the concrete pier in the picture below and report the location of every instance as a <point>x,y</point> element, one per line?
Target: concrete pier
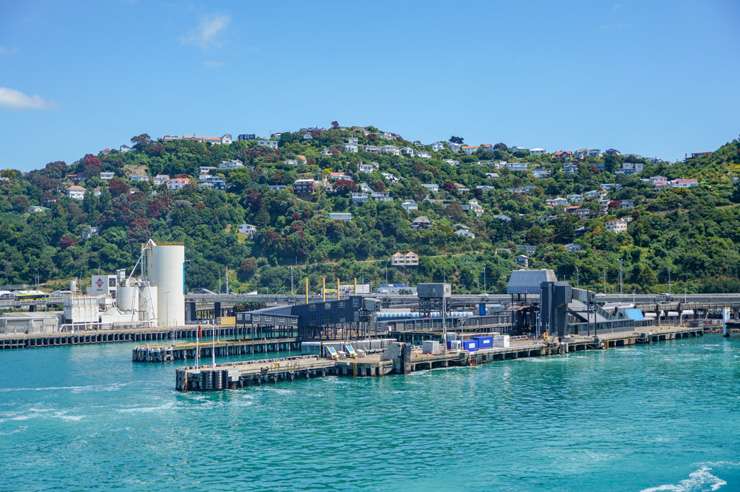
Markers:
<point>206,348</point>
<point>125,335</point>
<point>404,359</point>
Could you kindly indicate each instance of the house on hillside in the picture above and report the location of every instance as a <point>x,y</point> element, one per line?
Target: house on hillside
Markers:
<point>409,205</point>
<point>359,197</point>
<point>305,186</point>
<point>420,223</point>
<point>616,226</point>
<point>431,187</point>
<point>367,167</point>
<point>683,183</point>
<point>231,164</point>
<point>474,207</point>
<point>437,146</point>
<point>537,151</point>
<point>518,166</point>
<point>160,179</point>
<point>246,137</point>
<point>270,144</point>
<point>464,232</point>
<point>391,178</point>
<point>352,148</point>
<point>178,183</point>
<point>629,168</point>
<point>76,192</point>
<point>405,259</point>
<point>248,230</point>
<point>107,175</point>
<point>340,216</point>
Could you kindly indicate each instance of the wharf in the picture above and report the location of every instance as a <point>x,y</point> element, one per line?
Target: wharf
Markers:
<point>33,340</point>
<point>206,348</point>
<point>402,358</point>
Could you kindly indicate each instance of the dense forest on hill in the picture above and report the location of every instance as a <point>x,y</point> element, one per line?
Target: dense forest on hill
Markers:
<point>686,236</point>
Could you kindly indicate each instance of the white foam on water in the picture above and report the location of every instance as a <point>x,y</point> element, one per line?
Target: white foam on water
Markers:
<point>20,429</point>
<point>280,391</point>
<point>700,480</point>
<point>73,389</point>
<point>36,413</point>
<point>149,409</point>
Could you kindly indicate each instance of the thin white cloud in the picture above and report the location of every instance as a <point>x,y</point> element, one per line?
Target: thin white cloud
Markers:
<point>13,99</point>
<point>208,31</point>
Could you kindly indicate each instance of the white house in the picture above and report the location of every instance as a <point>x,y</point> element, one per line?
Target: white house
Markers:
<point>390,149</point>
<point>517,166</point>
<point>351,148</point>
<point>107,175</point>
<point>405,259</point>
<point>465,233</point>
<point>367,167</point>
<point>270,144</point>
<point>683,183</point>
<point>431,187</point>
<point>76,192</point>
<point>340,216</point>
<point>617,226</point>
<point>537,151</point>
<point>557,202</point>
<point>359,198</point>
<point>437,146</point>
<point>474,207</point>
<point>409,205</point>
<point>390,177</point>
<point>161,179</point>
<point>248,230</point>
<point>231,164</point>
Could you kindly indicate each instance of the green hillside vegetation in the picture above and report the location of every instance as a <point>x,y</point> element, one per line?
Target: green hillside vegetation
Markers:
<point>689,237</point>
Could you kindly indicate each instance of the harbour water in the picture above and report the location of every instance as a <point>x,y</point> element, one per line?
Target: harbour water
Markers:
<point>649,417</point>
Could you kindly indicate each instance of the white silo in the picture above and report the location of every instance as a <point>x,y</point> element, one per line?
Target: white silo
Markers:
<point>166,270</point>
<point>147,303</point>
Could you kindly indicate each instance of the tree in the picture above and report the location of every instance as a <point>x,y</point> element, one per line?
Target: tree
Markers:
<point>457,140</point>
<point>335,125</point>
<point>141,141</point>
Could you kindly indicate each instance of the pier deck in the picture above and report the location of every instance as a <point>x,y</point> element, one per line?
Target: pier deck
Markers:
<point>206,348</point>
<point>241,374</point>
<point>123,335</point>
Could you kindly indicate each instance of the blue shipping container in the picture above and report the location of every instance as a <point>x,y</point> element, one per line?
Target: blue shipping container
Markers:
<point>484,342</point>
<point>470,345</point>
<point>482,309</point>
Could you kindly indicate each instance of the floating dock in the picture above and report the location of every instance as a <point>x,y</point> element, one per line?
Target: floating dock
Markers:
<point>207,348</point>
<point>402,358</point>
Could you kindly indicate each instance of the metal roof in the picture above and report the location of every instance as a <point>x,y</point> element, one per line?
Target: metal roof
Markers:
<point>528,281</point>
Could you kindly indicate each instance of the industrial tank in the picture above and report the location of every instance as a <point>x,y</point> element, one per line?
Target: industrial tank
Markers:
<point>127,299</point>
<point>166,270</point>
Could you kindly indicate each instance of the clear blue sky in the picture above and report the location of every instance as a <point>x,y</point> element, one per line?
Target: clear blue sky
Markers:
<point>655,77</point>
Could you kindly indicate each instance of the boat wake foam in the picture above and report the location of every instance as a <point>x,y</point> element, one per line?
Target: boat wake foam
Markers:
<point>701,480</point>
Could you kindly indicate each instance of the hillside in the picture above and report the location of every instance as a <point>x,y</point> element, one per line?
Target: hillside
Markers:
<point>580,213</point>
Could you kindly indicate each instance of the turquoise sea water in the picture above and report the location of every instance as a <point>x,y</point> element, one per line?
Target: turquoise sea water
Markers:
<point>660,417</point>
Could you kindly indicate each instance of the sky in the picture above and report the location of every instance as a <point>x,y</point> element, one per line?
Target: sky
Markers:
<point>658,78</point>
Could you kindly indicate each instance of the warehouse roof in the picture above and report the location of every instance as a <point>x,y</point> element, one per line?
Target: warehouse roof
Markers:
<point>528,281</point>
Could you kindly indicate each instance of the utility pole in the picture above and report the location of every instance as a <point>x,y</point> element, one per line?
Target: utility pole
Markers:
<point>604,281</point>
<point>226,275</point>
<point>577,275</point>
<point>485,286</point>
<point>292,292</point>
<point>669,280</point>
<point>621,285</point>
